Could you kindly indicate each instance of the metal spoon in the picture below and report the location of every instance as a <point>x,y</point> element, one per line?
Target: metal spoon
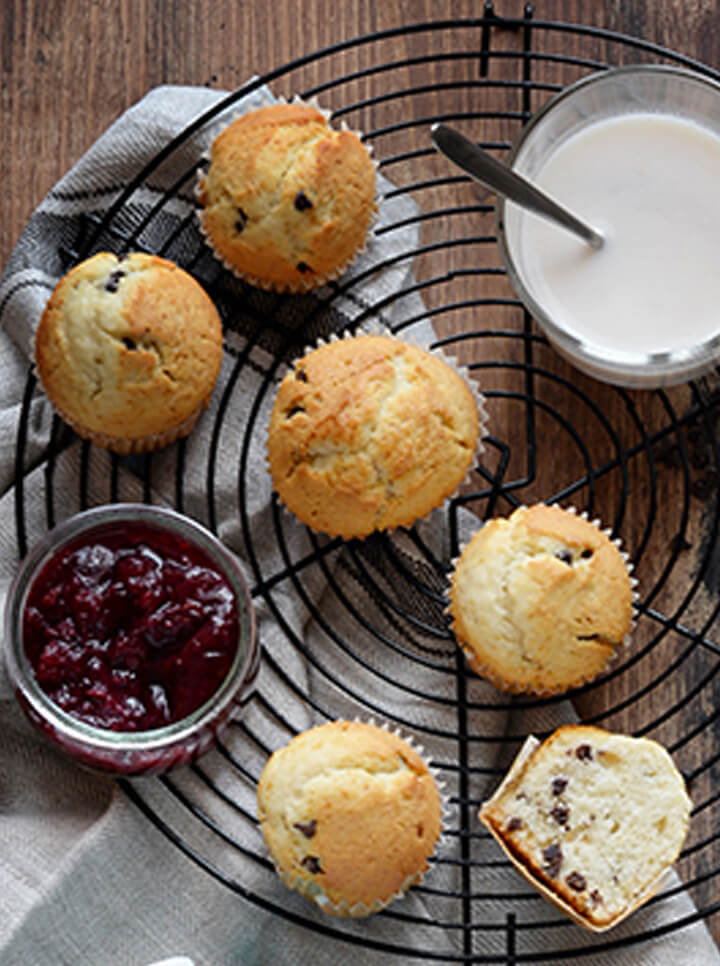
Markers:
<point>503,180</point>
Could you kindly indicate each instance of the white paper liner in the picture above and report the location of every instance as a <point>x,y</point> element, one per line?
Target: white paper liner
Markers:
<point>529,746</point>
<point>375,328</point>
<point>314,281</point>
<point>142,444</point>
<point>501,683</point>
<point>361,910</point>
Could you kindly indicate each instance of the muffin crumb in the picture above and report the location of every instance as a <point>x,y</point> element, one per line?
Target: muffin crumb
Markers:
<point>601,852</point>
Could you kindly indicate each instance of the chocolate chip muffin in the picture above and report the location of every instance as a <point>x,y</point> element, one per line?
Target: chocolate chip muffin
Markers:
<point>592,819</point>
<point>350,814</point>
<point>286,200</point>
<point>541,601</point>
<point>128,351</point>
<point>370,433</point>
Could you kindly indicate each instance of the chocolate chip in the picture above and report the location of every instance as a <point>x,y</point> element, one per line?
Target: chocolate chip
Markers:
<point>561,813</point>
<point>587,637</point>
<point>303,267</point>
<point>552,857</point>
<point>576,881</point>
<point>559,785</point>
<point>595,897</point>
<point>587,553</point>
<point>129,344</point>
<point>295,411</point>
<point>302,202</point>
<point>514,824</point>
<point>301,375</point>
<point>584,753</point>
<point>113,280</point>
<point>241,221</point>
<point>307,828</point>
<point>565,556</point>
<point>312,864</point>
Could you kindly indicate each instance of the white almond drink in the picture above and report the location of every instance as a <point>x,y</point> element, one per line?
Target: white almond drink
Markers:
<point>651,184</point>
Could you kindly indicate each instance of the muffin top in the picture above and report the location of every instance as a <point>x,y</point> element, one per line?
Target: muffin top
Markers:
<point>286,200</point>
<point>128,347</point>
<point>592,819</point>
<point>368,433</point>
<point>541,600</point>
<point>350,814</point>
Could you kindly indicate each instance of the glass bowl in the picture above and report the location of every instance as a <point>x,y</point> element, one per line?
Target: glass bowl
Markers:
<point>170,536</point>
<point>632,357</point>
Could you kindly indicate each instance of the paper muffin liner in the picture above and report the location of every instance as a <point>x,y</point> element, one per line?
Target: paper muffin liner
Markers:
<point>304,284</point>
<point>360,910</point>
<point>528,747</point>
<point>374,328</point>
<point>510,687</point>
<point>123,445</point>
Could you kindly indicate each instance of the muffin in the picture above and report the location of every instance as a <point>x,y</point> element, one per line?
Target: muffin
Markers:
<point>128,351</point>
<point>350,814</point>
<point>541,601</point>
<point>592,819</point>
<point>370,433</point>
<point>286,201</point>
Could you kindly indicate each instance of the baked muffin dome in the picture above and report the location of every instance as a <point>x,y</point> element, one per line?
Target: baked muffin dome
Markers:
<point>369,433</point>
<point>592,819</point>
<point>540,601</point>
<point>286,200</point>
<point>128,351</point>
<point>350,814</point>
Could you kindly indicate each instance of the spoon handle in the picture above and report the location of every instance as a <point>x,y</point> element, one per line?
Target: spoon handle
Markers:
<point>503,180</point>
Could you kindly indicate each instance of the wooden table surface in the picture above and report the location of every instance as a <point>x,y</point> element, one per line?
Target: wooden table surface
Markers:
<point>70,67</point>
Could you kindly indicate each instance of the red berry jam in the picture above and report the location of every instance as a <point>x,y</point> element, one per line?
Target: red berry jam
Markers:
<point>130,628</point>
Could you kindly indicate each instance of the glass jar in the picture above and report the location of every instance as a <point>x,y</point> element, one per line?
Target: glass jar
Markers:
<point>132,752</point>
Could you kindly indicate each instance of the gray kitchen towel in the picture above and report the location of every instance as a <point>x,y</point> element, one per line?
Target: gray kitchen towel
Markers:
<point>87,878</point>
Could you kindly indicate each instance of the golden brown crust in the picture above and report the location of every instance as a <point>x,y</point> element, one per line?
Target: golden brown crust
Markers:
<point>350,814</point>
<point>287,201</point>
<point>540,601</point>
<point>128,351</point>
<point>591,819</point>
<point>370,433</point>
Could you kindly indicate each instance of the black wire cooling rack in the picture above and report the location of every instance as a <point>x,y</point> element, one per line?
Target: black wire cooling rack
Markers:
<point>645,463</point>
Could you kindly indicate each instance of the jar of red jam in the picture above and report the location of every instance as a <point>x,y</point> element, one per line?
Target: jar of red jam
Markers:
<point>130,638</point>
